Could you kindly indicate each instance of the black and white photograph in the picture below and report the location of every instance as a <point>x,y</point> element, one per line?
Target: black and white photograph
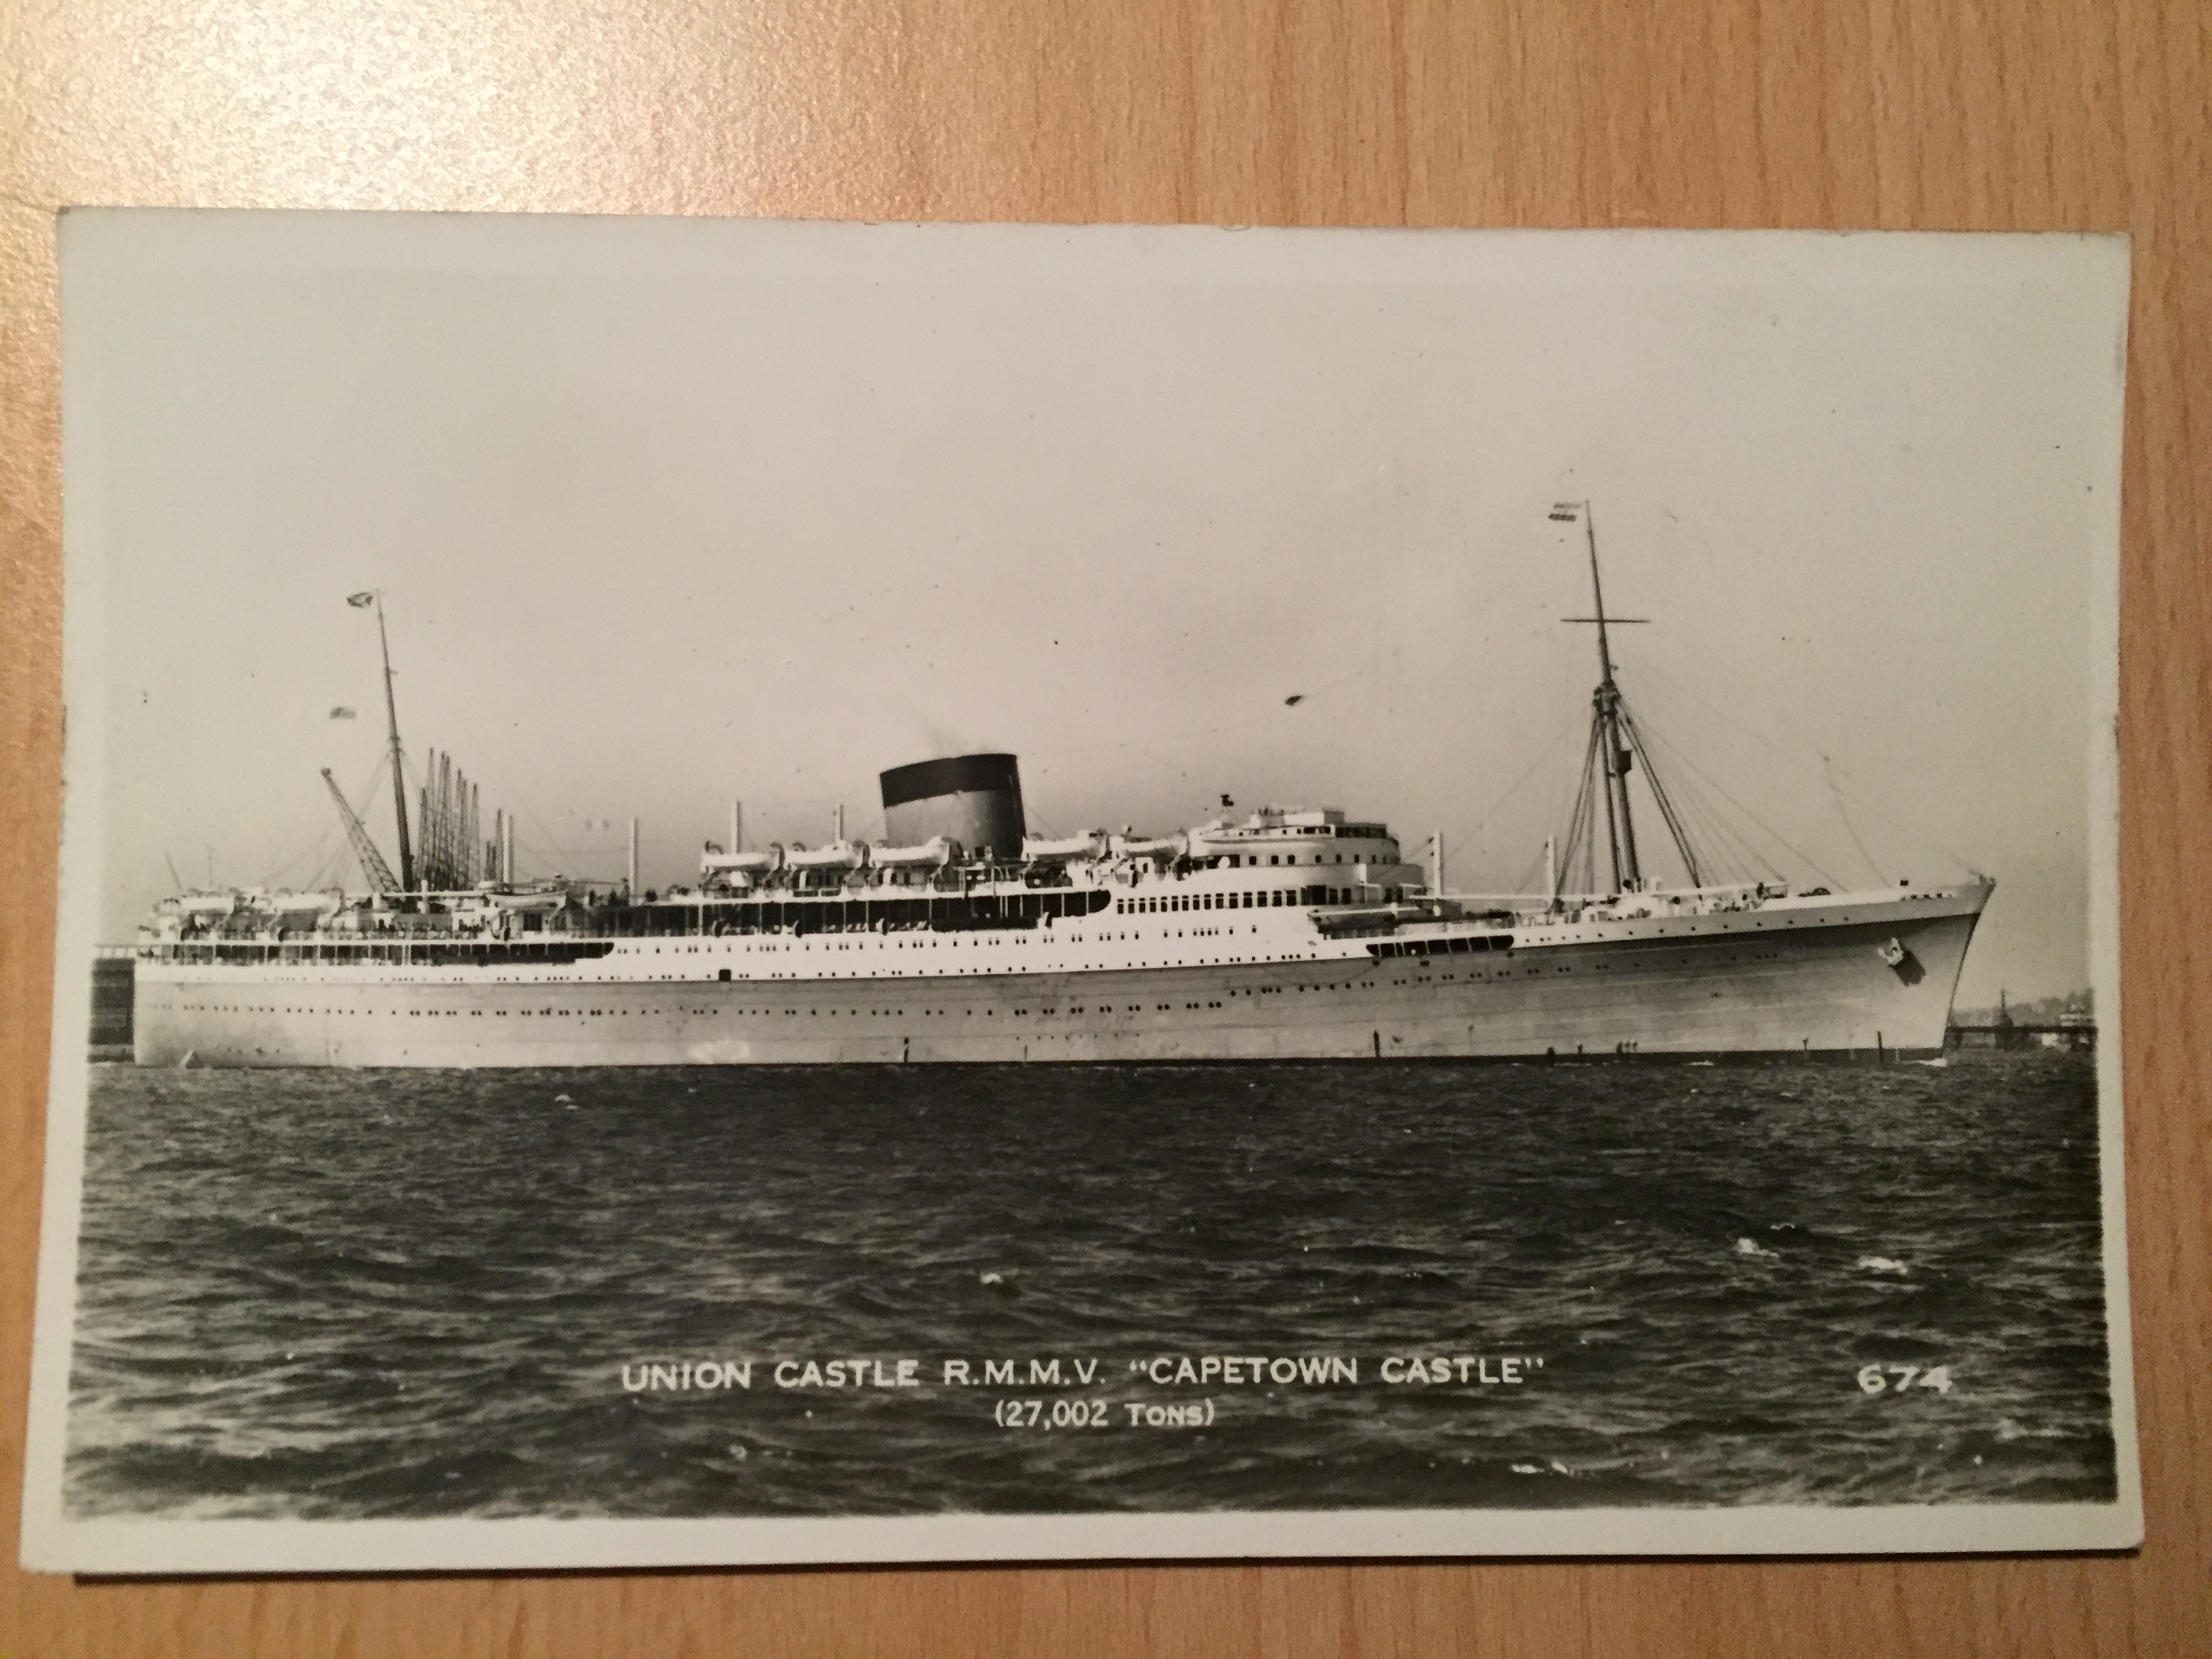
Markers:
<point>772,891</point>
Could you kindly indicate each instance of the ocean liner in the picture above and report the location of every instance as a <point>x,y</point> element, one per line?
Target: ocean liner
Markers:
<point>1281,934</point>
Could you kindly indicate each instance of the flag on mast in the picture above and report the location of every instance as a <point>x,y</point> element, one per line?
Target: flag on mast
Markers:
<point>342,713</point>
<point>1567,512</point>
<point>361,599</point>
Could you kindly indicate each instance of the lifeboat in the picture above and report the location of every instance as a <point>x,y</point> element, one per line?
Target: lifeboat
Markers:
<point>1090,844</point>
<point>1166,847</point>
<point>750,864</point>
<point>936,852</point>
<point>539,900</point>
<point>288,906</point>
<point>837,855</point>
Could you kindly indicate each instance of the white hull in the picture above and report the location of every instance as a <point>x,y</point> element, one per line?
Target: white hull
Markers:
<point>1818,979</point>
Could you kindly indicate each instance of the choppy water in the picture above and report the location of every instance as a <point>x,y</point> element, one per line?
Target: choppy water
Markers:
<point>353,1295</point>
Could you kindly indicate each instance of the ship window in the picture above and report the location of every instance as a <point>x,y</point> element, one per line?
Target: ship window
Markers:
<point>1272,858</point>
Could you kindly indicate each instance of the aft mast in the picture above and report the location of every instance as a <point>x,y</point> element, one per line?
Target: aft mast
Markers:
<point>391,725</point>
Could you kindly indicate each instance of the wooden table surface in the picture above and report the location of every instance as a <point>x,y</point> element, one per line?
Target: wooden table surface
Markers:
<point>1997,114</point>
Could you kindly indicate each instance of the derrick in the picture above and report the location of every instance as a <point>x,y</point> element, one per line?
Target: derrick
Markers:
<point>377,872</point>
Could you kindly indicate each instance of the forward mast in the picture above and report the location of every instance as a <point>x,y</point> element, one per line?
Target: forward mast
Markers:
<point>1615,746</point>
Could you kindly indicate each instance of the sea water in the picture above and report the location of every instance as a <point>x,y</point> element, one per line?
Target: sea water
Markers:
<point>395,1293</point>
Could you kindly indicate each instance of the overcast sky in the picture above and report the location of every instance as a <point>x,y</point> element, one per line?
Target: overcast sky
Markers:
<point>670,512</point>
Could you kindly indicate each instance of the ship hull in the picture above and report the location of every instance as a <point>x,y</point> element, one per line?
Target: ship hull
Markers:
<point>1868,981</point>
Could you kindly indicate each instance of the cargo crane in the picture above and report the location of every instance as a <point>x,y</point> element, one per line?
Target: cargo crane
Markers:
<point>380,878</point>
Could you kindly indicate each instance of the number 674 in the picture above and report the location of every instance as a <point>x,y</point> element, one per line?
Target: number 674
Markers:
<point>1896,1379</point>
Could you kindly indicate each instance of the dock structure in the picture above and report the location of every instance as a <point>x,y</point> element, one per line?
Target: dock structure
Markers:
<point>2074,1032</point>
<point>113,987</point>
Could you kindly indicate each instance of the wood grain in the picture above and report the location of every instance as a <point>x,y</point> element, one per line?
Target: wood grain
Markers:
<point>1998,114</point>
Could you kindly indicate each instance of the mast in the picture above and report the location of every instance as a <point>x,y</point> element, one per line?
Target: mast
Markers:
<point>398,781</point>
<point>1615,742</point>
<point>1605,726</point>
<point>1626,871</point>
<point>1606,720</point>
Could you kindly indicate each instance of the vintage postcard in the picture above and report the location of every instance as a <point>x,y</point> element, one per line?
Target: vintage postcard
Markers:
<point>771,892</point>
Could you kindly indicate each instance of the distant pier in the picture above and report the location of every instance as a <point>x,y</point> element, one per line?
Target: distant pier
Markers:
<point>2076,1032</point>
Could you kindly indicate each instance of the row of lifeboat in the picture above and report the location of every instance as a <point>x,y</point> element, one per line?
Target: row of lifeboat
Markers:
<point>1093,846</point>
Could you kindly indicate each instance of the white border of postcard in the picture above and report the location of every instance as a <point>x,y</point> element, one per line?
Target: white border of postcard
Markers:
<point>54,1542</point>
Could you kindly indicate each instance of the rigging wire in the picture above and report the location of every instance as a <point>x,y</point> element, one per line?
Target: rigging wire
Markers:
<point>1779,840</point>
<point>1526,881</point>
<point>1792,756</point>
<point>1828,771</point>
<point>1581,838</point>
<point>1698,822</point>
<point>1683,847</point>
<point>378,776</point>
<point>1548,754</point>
<point>326,861</point>
<point>1739,853</point>
<point>316,856</point>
